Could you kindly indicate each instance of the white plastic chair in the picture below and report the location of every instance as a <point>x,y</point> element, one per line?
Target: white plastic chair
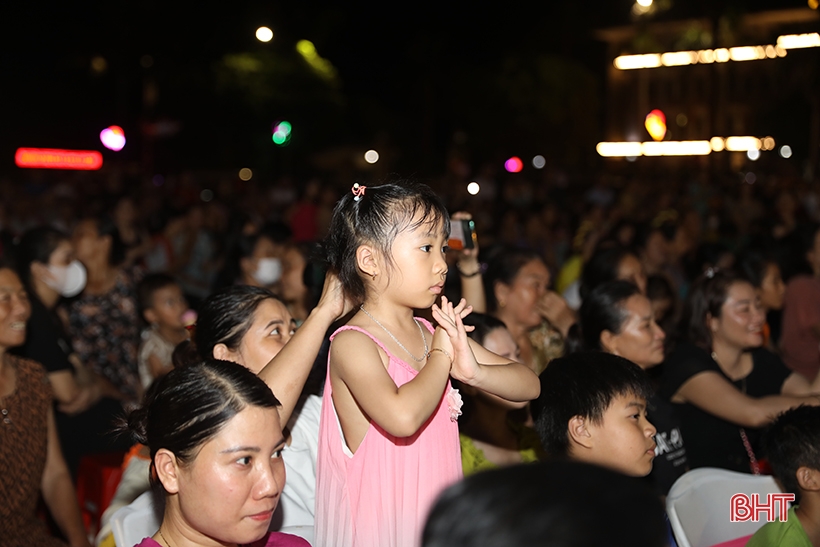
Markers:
<point>698,505</point>
<point>135,522</point>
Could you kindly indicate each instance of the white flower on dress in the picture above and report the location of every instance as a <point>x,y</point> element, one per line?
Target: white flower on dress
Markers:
<point>454,403</point>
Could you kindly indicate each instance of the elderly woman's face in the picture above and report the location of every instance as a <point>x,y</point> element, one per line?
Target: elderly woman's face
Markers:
<point>14,310</point>
<point>230,490</point>
<point>521,297</point>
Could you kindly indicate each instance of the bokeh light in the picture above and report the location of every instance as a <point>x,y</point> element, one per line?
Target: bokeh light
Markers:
<point>656,125</point>
<point>785,151</point>
<point>281,133</point>
<point>473,188</point>
<point>644,3</point>
<point>539,161</point>
<point>371,156</point>
<point>264,34</point>
<point>113,138</point>
<point>753,154</point>
<point>514,165</point>
<point>245,174</point>
<point>206,195</point>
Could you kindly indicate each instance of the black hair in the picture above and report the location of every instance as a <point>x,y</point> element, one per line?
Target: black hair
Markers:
<point>792,441</point>
<point>36,245</point>
<point>547,504</point>
<point>376,218</point>
<point>753,265</point>
<point>242,246</point>
<point>706,298</point>
<point>107,228</point>
<point>582,384</point>
<point>503,266</point>
<point>190,405</point>
<point>150,284</point>
<point>224,318</point>
<point>602,309</point>
<point>484,324</point>
<point>602,267</point>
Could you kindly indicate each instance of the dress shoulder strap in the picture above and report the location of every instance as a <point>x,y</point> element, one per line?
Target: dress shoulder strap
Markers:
<point>361,330</point>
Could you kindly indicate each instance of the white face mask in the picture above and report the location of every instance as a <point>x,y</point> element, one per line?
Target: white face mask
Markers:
<point>67,280</point>
<point>268,271</point>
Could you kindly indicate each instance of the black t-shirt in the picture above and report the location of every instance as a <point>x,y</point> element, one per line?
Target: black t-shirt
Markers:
<point>712,441</point>
<point>46,340</point>
<point>670,453</point>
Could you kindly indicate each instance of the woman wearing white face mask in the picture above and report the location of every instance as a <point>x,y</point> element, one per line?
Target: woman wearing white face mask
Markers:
<point>254,260</point>
<point>85,401</point>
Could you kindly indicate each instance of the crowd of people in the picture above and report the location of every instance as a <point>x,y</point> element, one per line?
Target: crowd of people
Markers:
<point>313,365</point>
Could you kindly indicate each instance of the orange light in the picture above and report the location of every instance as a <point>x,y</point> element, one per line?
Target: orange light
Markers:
<point>49,158</point>
<point>656,125</point>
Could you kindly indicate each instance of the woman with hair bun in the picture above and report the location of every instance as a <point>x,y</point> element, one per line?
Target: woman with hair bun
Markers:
<point>216,444</point>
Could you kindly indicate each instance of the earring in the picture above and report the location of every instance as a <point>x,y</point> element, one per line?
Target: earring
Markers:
<point>501,303</point>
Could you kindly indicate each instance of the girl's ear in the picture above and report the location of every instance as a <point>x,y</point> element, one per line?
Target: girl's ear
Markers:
<point>367,260</point>
<point>578,432</point>
<point>167,469</point>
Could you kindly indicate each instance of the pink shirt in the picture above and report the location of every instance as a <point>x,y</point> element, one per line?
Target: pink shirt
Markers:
<point>380,496</point>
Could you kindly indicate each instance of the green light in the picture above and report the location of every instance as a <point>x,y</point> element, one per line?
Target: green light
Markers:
<point>284,127</point>
<point>279,138</point>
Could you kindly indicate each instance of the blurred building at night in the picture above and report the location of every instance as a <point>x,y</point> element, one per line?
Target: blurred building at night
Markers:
<point>703,75</point>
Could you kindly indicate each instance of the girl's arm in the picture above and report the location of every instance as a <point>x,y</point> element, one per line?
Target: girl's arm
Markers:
<point>58,491</point>
<point>714,394</point>
<point>287,373</point>
<point>476,366</point>
<point>401,411</point>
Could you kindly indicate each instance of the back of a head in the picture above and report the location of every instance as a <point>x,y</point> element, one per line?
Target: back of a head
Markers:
<point>582,384</point>
<point>602,267</point>
<point>191,404</point>
<point>792,441</point>
<point>375,215</point>
<point>484,324</point>
<point>602,310</point>
<point>558,503</point>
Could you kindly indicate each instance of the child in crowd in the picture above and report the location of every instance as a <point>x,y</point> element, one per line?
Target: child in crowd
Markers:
<point>490,436</point>
<point>388,439</point>
<point>792,445</point>
<point>592,408</point>
<point>164,308</point>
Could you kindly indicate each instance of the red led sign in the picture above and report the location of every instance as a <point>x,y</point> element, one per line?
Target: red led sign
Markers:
<point>48,158</point>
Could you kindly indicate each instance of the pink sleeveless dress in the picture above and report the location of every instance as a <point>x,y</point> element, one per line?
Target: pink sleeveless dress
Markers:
<point>380,496</point>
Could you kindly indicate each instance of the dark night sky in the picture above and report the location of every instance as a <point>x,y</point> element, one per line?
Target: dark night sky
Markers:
<point>398,66</point>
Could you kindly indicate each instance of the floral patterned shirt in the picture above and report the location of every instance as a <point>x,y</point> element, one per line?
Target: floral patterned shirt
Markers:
<point>105,332</point>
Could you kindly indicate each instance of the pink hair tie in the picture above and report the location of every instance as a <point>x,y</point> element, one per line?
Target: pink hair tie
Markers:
<point>358,191</point>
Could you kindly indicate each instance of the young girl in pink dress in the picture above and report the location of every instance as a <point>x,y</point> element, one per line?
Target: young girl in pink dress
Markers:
<point>388,439</point>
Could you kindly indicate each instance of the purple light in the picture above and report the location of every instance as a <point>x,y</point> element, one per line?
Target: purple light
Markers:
<point>113,138</point>
<point>514,165</point>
